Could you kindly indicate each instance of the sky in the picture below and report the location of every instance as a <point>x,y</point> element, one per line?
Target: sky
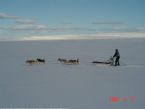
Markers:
<point>71,19</point>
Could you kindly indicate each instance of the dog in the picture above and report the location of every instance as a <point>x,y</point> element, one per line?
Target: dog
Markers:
<point>41,60</point>
<point>31,61</point>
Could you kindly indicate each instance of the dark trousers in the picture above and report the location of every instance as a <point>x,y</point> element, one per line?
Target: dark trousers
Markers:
<point>117,61</point>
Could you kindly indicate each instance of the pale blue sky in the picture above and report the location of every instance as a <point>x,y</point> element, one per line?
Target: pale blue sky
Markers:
<point>27,18</point>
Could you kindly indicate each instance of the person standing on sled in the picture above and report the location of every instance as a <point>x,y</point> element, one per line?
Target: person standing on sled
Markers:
<point>117,55</point>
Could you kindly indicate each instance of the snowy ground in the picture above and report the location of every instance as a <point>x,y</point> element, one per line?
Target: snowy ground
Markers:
<point>84,86</point>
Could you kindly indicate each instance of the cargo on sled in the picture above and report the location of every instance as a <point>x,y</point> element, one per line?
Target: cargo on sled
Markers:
<point>108,62</point>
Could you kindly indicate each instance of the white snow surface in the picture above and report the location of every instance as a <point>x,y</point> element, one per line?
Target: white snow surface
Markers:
<point>83,86</point>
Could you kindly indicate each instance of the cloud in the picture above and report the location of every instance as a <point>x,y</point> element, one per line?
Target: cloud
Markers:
<point>107,22</point>
<point>6,16</point>
<point>2,16</point>
<point>55,37</point>
<point>101,35</point>
<point>29,26</point>
<point>66,23</point>
<point>70,29</point>
<point>24,21</point>
<point>125,29</point>
<point>86,36</point>
<point>17,19</point>
<point>24,27</point>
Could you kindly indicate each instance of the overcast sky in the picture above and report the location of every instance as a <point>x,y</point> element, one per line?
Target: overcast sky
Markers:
<point>54,19</point>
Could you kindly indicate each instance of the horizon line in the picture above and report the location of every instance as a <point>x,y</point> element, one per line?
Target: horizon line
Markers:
<point>79,37</point>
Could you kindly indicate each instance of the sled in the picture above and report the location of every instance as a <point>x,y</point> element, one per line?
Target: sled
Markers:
<point>101,62</point>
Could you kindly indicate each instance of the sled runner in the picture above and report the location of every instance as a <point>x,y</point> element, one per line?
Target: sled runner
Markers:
<point>101,62</point>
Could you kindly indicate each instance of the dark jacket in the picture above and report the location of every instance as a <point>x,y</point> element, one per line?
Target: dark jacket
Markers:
<point>117,55</point>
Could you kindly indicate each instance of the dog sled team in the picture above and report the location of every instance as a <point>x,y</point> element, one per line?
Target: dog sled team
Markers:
<point>110,61</point>
<point>61,60</point>
<point>70,61</point>
<point>37,61</point>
